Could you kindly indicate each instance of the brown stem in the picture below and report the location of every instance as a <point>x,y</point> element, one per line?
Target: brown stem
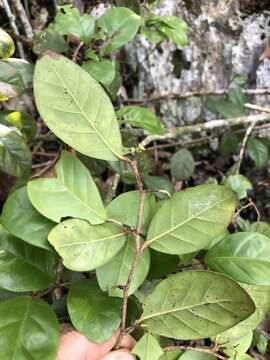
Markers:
<point>185,347</point>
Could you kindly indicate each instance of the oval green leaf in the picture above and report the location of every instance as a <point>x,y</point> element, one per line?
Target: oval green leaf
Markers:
<point>113,275</point>
<point>243,256</point>
<point>21,219</point>
<point>182,165</point>
<point>74,193</point>
<point>191,219</point>
<point>195,305</point>
<point>28,330</point>
<point>85,247</point>
<point>148,348</point>
<point>92,312</point>
<point>7,47</point>
<point>76,108</point>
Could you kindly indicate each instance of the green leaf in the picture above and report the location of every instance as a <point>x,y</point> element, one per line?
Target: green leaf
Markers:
<point>162,264</point>
<point>141,117</point>
<point>226,108</point>
<point>261,298</point>
<point>22,120</point>
<point>133,5</point>
<point>114,275</point>
<point>195,305</point>
<point>171,355</point>
<point>261,227</point>
<point>15,157</point>
<point>23,68</point>
<point>124,208</point>
<point>240,80</point>
<point>49,39</point>
<point>182,165</point>
<point>7,47</point>
<point>85,247</point>
<point>72,193</point>
<point>28,330</point>
<point>195,355</point>
<point>121,25</point>
<point>237,97</point>
<point>258,152</point>
<point>21,219</point>
<point>236,346</point>
<point>183,224</point>
<point>69,21</point>
<point>239,184</point>
<point>102,71</point>
<point>260,341</point>
<point>92,312</point>
<point>242,256</point>
<point>76,108</point>
<point>11,81</point>
<point>229,144</point>
<point>153,35</point>
<point>24,267</point>
<point>148,348</point>
<point>159,183</point>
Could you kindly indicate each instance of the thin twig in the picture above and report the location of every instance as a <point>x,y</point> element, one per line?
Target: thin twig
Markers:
<point>203,350</point>
<point>210,125</point>
<point>199,93</point>
<point>78,48</point>
<point>12,20</point>
<point>24,19</point>
<point>113,182</point>
<point>243,145</point>
<point>257,108</point>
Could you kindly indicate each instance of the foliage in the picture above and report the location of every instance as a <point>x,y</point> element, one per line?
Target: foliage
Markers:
<point>108,227</point>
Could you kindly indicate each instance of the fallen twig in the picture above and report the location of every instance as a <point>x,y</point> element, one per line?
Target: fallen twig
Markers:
<point>257,108</point>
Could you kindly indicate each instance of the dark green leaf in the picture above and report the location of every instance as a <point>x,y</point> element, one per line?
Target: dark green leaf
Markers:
<point>162,264</point>
<point>85,247</point>
<point>21,219</point>
<point>159,183</point>
<point>28,330</point>
<point>141,117</point>
<point>242,256</point>
<point>133,5</point>
<point>183,224</point>
<point>195,305</point>
<point>49,39</point>
<point>92,312</point>
<point>182,165</point>
<point>258,152</point>
<point>15,157</point>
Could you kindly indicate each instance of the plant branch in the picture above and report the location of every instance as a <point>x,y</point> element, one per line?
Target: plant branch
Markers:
<point>12,20</point>
<point>199,93</point>
<point>210,125</point>
<point>24,19</point>
<point>257,108</point>
<point>203,350</point>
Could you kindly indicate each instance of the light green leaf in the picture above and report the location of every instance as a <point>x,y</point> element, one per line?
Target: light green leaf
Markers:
<point>182,165</point>
<point>102,71</point>
<point>148,348</point>
<point>195,305</point>
<point>92,312</point>
<point>124,208</point>
<point>121,25</point>
<point>261,298</point>
<point>194,355</point>
<point>7,47</point>
<point>114,275</point>
<point>141,117</point>
<point>72,193</point>
<point>152,34</point>
<point>24,267</point>
<point>183,224</point>
<point>28,330</point>
<point>76,108</point>
<point>22,120</point>
<point>239,184</point>
<point>21,219</point>
<point>23,68</point>
<point>15,157</point>
<point>69,21</point>
<point>236,346</point>
<point>260,341</point>
<point>260,227</point>
<point>171,355</point>
<point>49,39</point>
<point>85,247</point>
<point>258,152</point>
<point>244,256</point>
<point>159,183</point>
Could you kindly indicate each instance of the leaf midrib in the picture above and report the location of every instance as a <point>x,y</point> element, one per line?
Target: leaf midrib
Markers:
<point>20,331</point>
<point>85,115</point>
<point>92,241</point>
<point>187,220</point>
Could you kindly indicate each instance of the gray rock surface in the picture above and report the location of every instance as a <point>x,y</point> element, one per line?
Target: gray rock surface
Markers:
<point>223,42</point>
